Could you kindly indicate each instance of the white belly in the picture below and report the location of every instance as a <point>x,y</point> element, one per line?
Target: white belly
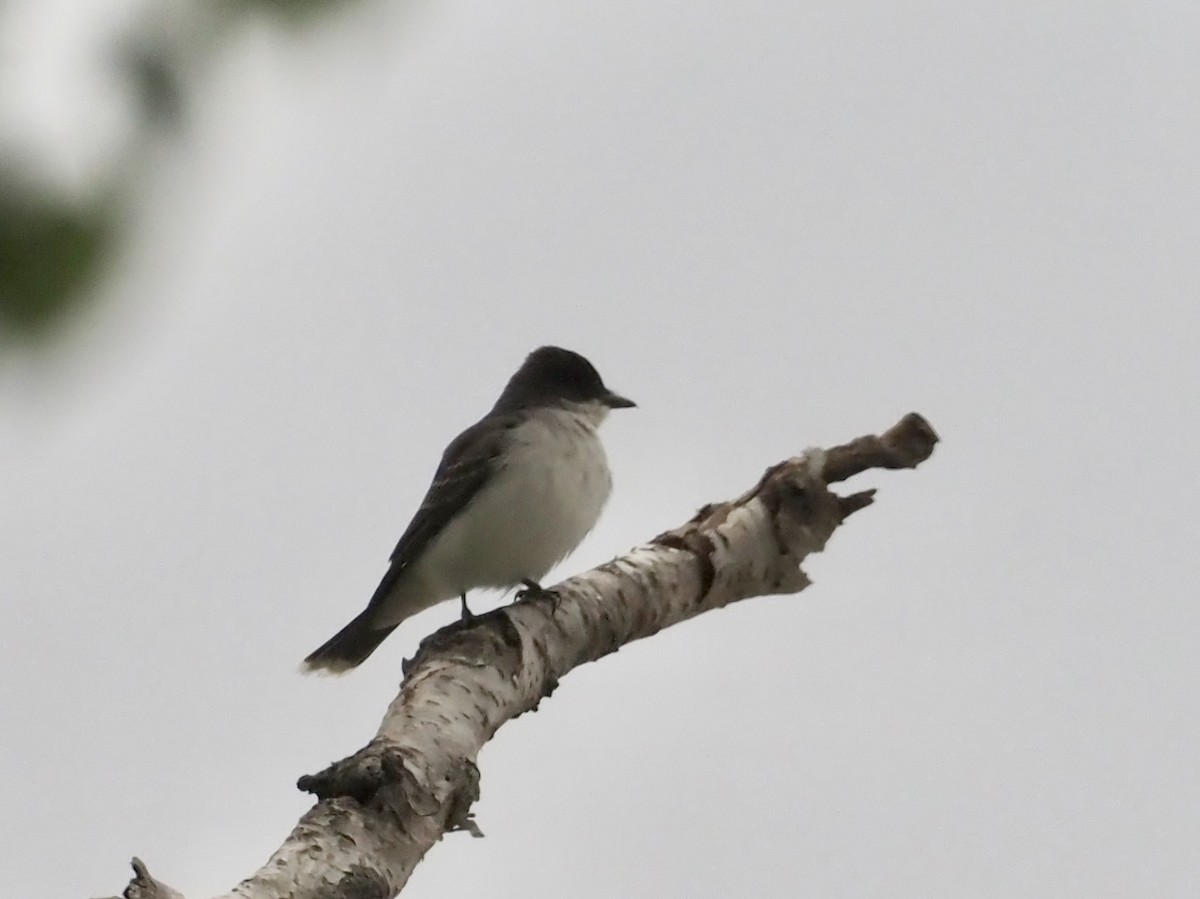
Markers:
<point>537,509</point>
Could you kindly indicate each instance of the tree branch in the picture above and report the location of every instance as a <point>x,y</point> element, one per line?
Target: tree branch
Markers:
<point>383,808</point>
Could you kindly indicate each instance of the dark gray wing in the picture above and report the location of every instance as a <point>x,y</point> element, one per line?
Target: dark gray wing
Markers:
<point>465,467</point>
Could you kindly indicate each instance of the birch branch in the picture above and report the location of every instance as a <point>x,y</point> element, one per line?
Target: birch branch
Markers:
<point>380,810</point>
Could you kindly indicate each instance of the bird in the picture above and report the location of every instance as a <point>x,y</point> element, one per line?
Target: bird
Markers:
<point>513,496</point>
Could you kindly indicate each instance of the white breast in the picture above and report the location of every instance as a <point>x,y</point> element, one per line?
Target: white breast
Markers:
<point>546,497</point>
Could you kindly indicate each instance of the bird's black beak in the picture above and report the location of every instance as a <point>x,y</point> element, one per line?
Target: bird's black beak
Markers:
<point>616,401</point>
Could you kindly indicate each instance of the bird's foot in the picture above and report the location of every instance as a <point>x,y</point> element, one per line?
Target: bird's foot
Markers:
<point>465,614</point>
<point>531,589</point>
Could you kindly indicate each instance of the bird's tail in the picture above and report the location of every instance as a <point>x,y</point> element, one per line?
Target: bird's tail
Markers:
<point>349,647</point>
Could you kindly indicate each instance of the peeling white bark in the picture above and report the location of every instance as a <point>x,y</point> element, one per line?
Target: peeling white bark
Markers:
<point>383,808</point>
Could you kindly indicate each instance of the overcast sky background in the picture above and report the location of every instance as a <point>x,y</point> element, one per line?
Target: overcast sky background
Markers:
<point>774,225</point>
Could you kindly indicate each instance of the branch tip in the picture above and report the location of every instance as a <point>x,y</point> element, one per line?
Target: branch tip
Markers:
<point>906,444</point>
<point>911,440</point>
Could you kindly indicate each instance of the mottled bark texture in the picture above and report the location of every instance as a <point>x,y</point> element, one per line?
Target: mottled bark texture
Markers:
<point>380,810</point>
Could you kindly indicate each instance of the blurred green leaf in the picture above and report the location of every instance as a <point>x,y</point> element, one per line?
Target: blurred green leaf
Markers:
<point>51,251</point>
<point>48,254</point>
<point>154,74</point>
<point>295,11</point>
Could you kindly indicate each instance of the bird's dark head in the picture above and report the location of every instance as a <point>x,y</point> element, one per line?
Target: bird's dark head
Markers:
<point>552,376</point>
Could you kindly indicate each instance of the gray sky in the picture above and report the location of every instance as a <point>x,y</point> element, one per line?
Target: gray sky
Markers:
<point>774,225</point>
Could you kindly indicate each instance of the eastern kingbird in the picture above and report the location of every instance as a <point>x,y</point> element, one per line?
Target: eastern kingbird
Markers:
<point>514,494</point>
